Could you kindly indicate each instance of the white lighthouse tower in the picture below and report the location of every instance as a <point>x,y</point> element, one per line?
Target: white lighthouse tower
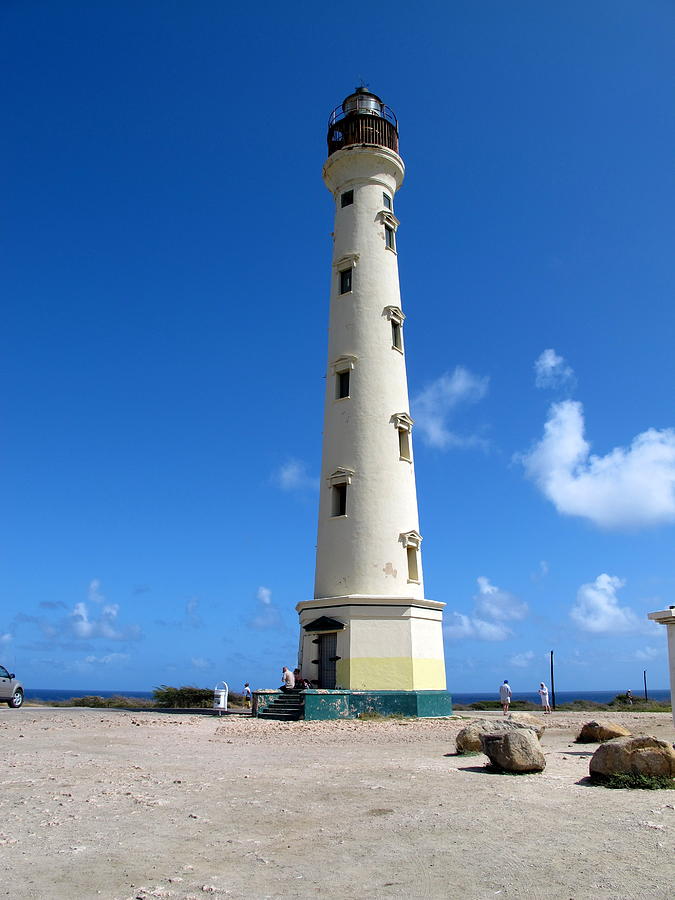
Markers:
<point>369,627</point>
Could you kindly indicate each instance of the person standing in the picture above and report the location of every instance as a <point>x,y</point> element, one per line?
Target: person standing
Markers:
<point>247,695</point>
<point>629,697</point>
<point>543,696</point>
<point>505,695</point>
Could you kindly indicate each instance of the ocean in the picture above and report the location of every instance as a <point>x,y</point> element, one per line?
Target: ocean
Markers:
<point>462,698</point>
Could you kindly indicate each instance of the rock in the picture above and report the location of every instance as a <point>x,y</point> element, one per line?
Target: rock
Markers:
<point>514,751</point>
<point>597,732</point>
<point>633,756</point>
<point>468,739</point>
<point>526,719</point>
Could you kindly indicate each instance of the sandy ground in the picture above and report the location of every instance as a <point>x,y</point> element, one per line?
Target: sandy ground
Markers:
<point>134,805</point>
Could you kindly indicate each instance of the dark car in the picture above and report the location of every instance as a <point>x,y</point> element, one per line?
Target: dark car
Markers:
<point>11,690</point>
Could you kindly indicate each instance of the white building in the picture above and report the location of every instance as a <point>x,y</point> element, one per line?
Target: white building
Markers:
<point>369,626</point>
<point>667,617</point>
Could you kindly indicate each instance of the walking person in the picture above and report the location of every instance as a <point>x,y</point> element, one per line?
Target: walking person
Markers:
<point>247,695</point>
<point>543,696</point>
<point>505,695</point>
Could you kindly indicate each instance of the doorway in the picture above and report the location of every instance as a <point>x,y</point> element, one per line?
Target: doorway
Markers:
<point>327,656</point>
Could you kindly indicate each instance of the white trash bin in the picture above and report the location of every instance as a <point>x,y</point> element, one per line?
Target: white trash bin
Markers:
<point>220,697</point>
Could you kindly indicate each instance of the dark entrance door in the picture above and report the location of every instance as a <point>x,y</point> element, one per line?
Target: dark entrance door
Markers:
<point>327,653</point>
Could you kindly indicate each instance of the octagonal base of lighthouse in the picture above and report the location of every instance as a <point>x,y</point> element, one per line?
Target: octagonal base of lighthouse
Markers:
<point>373,654</point>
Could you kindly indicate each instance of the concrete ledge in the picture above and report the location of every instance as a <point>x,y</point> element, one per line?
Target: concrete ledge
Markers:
<point>343,704</point>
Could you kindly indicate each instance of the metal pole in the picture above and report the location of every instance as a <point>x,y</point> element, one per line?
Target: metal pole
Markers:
<point>552,684</point>
<point>644,678</point>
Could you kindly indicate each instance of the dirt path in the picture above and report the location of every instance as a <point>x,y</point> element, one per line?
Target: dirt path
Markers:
<point>134,805</point>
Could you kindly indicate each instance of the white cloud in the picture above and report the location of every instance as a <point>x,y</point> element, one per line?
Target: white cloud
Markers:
<point>551,371</point>
<point>522,660</point>
<point>630,487</point>
<point>492,607</point>
<point>542,571</point>
<point>497,604</point>
<point>458,626</point>
<point>5,638</point>
<point>198,662</point>
<point>109,659</point>
<point>647,654</point>
<point>94,594</point>
<point>432,406</point>
<point>597,609</point>
<point>267,615</point>
<point>83,625</point>
<point>293,476</point>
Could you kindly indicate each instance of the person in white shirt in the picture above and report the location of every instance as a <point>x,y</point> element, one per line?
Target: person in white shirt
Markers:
<point>543,696</point>
<point>247,695</point>
<point>287,679</point>
<point>505,696</point>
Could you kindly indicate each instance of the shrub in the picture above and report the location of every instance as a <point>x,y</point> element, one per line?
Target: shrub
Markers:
<point>186,697</point>
<point>94,701</point>
<point>635,780</point>
<point>522,705</point>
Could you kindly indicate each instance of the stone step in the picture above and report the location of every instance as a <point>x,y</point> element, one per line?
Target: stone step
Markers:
<point>280,716</point>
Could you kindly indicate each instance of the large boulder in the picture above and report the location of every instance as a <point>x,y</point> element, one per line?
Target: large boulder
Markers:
<point>597,732</point>
<point>468,739</point>
<point>514,751</point>
<point>633,756</point>
<point>526,719</point>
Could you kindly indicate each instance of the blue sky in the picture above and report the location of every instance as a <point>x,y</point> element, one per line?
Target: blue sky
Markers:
<point>166,259</point>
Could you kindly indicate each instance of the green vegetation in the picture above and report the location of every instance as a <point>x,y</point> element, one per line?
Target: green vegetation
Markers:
<point>516,705</point>
<point>372,715</point>
<point>618,704</point>
<point>190,697</point>
<point>635,780</point>
<point>94,701</point>
<point>164,697</point>
<point>186,697</point>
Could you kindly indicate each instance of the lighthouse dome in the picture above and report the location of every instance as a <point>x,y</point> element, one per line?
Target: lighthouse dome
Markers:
<point>362,101</point>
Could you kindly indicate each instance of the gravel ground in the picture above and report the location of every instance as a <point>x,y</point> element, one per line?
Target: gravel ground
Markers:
<point>126,805</point>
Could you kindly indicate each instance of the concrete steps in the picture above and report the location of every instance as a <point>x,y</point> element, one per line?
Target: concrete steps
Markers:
<point>288,707</point>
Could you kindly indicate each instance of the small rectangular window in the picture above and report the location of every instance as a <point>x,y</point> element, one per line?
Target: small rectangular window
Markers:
<point>386,199</point>
<point>389,239</point>
<point>342,385</point>
<point>396,336</point>
<point>404,444</point>
<point>339,500</point>
<point>347,199</point>
<point>346,281</point>
<point>413,572</point>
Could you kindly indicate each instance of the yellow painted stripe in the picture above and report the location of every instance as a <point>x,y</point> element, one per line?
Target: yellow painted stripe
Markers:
<point>391,674</point>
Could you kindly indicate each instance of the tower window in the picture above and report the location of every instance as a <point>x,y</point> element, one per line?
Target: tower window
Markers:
<point>386,199</point>
<point>396,335</point>
<point>347,199</point>
<point>404,444</point>
<point>339,499</point>
<point>413,570</point>
<point>346,281</point>
<point>342,385</point>
<point>389,239</point>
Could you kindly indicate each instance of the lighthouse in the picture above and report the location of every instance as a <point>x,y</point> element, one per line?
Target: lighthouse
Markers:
<point>369,636</point>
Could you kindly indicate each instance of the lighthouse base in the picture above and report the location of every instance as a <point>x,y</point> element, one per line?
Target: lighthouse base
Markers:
<point>339,704</point>
<point>373,645</point>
